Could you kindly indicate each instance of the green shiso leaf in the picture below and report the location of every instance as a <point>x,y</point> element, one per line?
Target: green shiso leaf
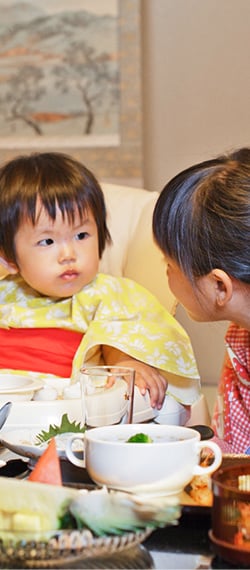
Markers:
<point>140,438</point>
<point>66,426</point>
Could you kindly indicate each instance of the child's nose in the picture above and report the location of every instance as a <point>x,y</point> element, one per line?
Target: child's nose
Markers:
<point>67,253</point>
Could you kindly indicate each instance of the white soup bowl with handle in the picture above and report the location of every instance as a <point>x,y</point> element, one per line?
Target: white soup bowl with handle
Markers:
<point>163,466</point>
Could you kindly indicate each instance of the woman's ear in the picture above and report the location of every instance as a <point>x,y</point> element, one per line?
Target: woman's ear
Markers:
<point>9,266</point>
<point>223,286</point>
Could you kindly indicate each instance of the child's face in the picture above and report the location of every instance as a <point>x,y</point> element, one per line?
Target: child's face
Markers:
<point>56,258</point>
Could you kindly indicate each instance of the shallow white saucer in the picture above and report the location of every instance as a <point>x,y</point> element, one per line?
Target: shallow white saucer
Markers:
<point>18,388</point>
<point>24,442</point>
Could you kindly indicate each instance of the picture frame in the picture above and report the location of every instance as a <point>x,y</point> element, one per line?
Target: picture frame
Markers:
<point>115,158</point>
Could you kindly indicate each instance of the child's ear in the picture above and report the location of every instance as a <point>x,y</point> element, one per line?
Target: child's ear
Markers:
<point>8,266</point>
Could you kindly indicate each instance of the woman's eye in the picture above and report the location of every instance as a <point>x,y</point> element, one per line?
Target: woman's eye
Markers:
<point>46,241</point>
<point>82,235</point>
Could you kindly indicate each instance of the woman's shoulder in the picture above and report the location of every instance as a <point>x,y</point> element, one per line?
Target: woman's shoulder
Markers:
<point>238,337</point>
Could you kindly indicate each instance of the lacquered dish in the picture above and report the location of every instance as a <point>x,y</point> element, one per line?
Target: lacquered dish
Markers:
<point>230,532</point>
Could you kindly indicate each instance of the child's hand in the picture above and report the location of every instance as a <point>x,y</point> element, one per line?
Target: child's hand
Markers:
<point>149,378</point>
<point>146,377</point>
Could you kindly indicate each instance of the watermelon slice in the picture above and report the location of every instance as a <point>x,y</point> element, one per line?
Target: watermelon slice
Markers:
<point>48,468</point>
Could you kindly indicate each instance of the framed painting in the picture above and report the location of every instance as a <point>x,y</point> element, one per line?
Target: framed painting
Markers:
<point>71,81</point>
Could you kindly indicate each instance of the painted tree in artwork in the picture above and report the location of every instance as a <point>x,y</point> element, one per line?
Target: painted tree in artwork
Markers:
<point>18,101</point>
<point>92,75</point>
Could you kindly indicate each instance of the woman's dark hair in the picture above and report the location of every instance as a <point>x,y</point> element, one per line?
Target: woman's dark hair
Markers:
<point>58,181</point>
<point>202,217</point>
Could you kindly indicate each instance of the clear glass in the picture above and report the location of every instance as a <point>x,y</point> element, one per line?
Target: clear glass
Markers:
<point>107,395</point>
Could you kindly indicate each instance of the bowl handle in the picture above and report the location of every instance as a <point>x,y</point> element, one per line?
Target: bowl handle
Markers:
<point>71,454</point>
<point>199,469</point>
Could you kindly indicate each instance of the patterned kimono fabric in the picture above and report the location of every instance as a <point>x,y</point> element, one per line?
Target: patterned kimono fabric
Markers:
<point>109,311</point>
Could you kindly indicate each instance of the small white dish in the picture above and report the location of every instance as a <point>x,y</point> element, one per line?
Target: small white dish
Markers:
<point>18,388</point>
<point>40,413</point>
<point>24,442</point>
<point>171,413</point>
<point>27,419</point>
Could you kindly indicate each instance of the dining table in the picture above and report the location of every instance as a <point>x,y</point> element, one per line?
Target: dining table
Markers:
<point>184,545</point>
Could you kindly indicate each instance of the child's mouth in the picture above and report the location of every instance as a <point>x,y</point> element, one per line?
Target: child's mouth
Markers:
<point>69,275</point>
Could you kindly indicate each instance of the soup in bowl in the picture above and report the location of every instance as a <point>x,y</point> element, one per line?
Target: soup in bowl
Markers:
<point>143,458</point>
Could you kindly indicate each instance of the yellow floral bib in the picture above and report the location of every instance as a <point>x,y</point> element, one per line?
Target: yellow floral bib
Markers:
<point>109,311</point>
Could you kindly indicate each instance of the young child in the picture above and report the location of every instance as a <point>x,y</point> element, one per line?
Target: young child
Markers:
<point>56,311</point>
<point>201,222</point>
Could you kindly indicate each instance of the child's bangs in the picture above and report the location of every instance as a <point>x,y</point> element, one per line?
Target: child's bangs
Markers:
<point>69,206</point>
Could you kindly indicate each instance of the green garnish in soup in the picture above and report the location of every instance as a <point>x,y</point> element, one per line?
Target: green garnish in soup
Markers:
<point>140,438</point>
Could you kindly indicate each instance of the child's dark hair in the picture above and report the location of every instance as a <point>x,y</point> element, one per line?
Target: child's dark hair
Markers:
<point>202,217</point>
<point>57,180</point>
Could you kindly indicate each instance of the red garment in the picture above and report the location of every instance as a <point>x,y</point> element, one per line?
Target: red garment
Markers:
<point>231,420</point>
<point>48,350</point>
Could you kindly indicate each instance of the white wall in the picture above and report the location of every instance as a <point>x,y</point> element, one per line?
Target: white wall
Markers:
<point>196,82</point>
<point>196,104</point>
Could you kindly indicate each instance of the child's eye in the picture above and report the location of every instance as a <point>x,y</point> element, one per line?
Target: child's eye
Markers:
<point>46,241</point>
<point>82,235</point>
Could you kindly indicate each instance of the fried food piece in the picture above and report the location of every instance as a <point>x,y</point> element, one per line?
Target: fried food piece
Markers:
<point>200,490</point>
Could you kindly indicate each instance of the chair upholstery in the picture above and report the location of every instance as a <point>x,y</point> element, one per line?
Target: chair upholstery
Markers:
<point>133,253</point>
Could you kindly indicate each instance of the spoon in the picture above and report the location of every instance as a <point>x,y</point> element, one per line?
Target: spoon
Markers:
<point>4,412</point>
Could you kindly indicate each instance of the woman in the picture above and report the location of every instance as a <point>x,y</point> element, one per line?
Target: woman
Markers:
<point>201,222</point>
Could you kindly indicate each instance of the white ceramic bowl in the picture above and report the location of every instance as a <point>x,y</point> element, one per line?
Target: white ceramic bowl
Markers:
<point>164,466</point>
<point>17,388</point>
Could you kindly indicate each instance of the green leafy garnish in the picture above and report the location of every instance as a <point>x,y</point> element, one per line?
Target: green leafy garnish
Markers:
<point>108,513</point>
<point>140,438</point>
<point>66,426</point>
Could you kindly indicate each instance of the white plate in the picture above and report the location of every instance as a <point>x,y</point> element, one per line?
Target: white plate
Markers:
<point>23,442</point>
<point>40,413</point>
